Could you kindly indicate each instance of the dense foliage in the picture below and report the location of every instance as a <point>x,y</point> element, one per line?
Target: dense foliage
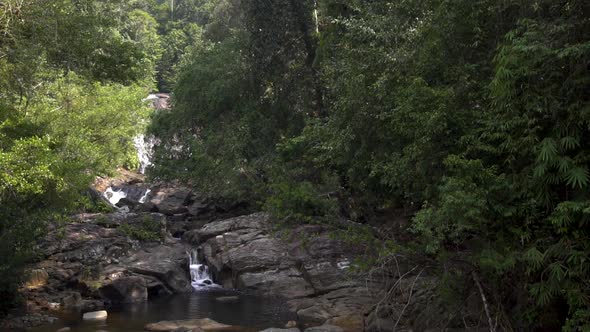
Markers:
<point>471,116</point>
<point>72,77</point>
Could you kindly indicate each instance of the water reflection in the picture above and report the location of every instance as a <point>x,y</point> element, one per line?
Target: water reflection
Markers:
<point>251,312</point>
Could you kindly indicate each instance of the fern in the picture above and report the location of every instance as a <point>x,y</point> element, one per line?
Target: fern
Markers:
<point>569,143</point>
<point>577,177</point>
<point>534,258</point>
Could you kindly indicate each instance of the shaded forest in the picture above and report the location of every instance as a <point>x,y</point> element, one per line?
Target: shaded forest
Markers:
<point>460,127</point>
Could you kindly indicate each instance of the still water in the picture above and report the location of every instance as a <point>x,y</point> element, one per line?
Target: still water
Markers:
<point>251,312</point>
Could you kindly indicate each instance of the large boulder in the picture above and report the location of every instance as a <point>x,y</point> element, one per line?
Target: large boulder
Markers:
<point>95,260</point>
<point>313,274</point>
<point>125,290</point>
<point>173,200</point>
<point>166,262</point>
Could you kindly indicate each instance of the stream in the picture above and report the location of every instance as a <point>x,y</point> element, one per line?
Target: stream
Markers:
<point>249,312</point>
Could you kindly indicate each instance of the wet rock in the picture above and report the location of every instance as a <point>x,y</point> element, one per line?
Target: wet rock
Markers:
<point>95,315</point>
<point>205,324</point>
<point>274,329</point>
<point>64,329</point>
<point>126,290</point>
<point>164,262</point>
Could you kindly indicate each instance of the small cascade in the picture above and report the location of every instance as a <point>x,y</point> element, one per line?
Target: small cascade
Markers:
<point>143,198</point>
<point>200,276</point>
<point>114,196</point>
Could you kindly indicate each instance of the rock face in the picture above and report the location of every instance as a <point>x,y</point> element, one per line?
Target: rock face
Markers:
<point>125,290</point>
<point>310,271</point>
<point>102,259</point>
<point>97,261</point>
<point>170,201</point>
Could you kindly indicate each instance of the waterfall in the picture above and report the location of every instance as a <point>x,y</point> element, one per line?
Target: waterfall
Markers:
<point>144,146</point>
<point>200,276</point>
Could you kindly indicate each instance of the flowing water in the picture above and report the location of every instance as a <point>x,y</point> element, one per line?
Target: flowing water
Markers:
<point>252,313</point>
<point>114,196</point>
<point>144,146</point>
<point>200,276</point>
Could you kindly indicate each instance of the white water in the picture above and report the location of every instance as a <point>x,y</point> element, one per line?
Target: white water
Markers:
<point>144,147</point>
<point>114,196</point>
<point>200,276</point>
<point>144,197</point>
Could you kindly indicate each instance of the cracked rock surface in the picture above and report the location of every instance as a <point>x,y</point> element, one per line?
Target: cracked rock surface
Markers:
<point>307,267</point>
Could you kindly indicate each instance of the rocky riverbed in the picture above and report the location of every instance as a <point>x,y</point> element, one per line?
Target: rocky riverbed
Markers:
<point>139,254</point>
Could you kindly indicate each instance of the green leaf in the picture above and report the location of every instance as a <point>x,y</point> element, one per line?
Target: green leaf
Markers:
<point>569,142</point>
<point>577,177</point>
<point>534,258</point>
<point>548,150</point>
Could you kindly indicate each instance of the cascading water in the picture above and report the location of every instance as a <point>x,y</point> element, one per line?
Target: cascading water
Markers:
<point>114,196</point>
<point>144,146</point>
<point>143,198</point>
<point>200,276</point>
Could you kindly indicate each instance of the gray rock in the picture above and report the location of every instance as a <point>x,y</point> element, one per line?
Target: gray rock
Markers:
<point>325,328</point>
<point>72,300</point>
<point>288,283</point>
<point>274,329</point>
<point>198,208</point>
<point>126,290</point>
<point>170,201</point>
<point>316,314</point>
<point>242,253</point>
<point>164,262</point>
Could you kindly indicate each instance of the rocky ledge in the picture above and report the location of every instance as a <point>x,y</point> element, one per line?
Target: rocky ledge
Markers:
<point>97,261</point>
<point>120,258</point>
<point>306,266</point>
